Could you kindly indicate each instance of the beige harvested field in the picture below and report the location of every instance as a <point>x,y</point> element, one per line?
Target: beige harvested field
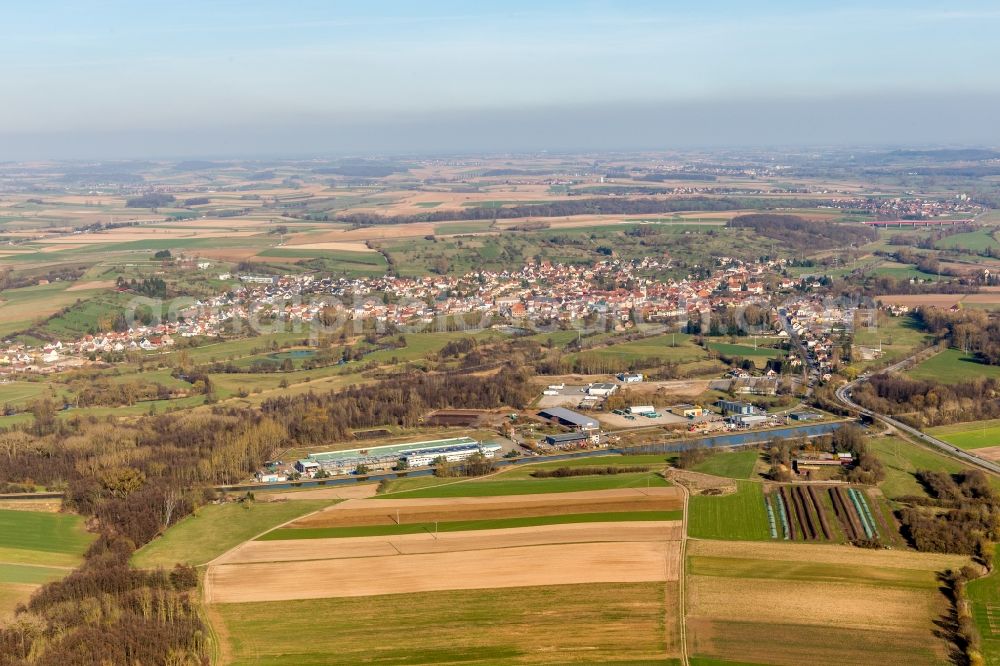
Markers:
<point>989,452</point>
<point>412,544</point>
<point>388,511</point>
<point>833,554</point>
<point>92,284</point>
<point>827,604</point>
<point>227,254</point>
<point>373,233</point>
<point>620,562</point>
<point>349,246</point>
<point>989,298</point>
<point>783,603</point>
<point>360,491</point>
<point>942,300</point>
<point>149,233</point>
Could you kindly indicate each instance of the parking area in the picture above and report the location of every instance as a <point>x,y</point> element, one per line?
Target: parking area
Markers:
<point>571,396</point>
<point>623,420</point>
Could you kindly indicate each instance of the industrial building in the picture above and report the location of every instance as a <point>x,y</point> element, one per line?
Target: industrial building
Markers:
<point>736,407</point>
<point>602,389</point>
<point>384,458</point>
<point>748,420</point>
<point>630,378</point>
<point>688,411</point>
<point>569,418</point>
<point>581,438</point>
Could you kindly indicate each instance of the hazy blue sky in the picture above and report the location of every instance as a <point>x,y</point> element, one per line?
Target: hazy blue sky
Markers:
<point>244,77</point>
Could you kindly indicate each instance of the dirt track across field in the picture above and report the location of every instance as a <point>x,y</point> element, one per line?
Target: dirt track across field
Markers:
<point>519,566</point>
<point>388,511</point>
<point>411,544</point>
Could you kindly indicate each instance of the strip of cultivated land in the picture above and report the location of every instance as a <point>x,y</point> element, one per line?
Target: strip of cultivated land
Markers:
<point>596,553</point>
<point>422,510</point>
<point>425,542</point>
<point>779,603</point>
<point>36,548</point>
<point>466,525</point>
<point>598,623</point>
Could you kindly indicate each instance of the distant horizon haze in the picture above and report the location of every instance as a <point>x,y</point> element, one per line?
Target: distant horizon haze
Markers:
<point>123,80</point>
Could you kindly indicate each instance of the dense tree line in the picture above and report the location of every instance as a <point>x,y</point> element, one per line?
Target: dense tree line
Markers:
<point>102,392</point>
<point>963,515</point>
<point>972,331</point>
<point>800,233</point>
<point>134,479</point>
<point>928,403</point>
<point>150,200</point>
<point>153,287</point>
<point>674,175</point>
<point>10,280</point>
<point>314,417</point>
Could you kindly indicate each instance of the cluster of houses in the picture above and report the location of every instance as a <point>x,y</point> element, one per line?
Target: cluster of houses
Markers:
<point>536,292</point>
<point>822,328</point>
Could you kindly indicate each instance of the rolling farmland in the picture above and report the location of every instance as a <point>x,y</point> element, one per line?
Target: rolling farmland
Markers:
<point>36,548</point>
<point>824,604</point>
<point>371,555</point>
<point>611,622</point>
<point>739,516</point>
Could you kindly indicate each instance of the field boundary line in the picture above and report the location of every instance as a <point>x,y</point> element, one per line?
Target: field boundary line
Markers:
<point>270,529</point>
<point>681,576</point>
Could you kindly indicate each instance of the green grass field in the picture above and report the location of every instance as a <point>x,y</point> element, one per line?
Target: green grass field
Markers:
<point>746,351</point>
<point>901,460</point>
<point>740,516</point>
<point>984,593</point>
<point>36,548</point>
<point>732,464</point>
<point>56,533</point>
<point>970,435</point>
<point>899,337</point>
<point>952,366</point>
<point>19,308</point>
<point>979,240</point>
<point>656,346</point>
<point>629,623</point>
<point>493,486</point>
<point>286,533</point>
<point>29,573</point>
<point>216,528</point>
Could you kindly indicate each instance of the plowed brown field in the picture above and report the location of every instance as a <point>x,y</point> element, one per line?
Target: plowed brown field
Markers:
<point>386,511</point>
<point>488,568</point>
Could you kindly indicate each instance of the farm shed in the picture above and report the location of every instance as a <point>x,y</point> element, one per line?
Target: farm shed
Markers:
<point>602,389</point>
<point>581,438</point>
<point>688,411</point>
<point>566,417</point>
